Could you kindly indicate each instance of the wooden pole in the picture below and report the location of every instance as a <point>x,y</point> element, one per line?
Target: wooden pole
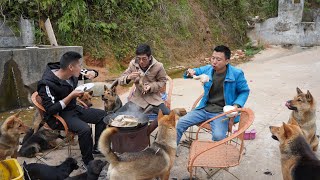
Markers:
<point>49,29</point>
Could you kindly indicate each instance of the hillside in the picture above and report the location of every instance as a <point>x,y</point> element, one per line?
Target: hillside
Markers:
<point>181,32</point>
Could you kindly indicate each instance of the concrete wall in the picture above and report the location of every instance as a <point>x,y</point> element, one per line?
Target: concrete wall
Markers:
<point>25,38</point>
<point>287,28</point>
<point>28,65</point>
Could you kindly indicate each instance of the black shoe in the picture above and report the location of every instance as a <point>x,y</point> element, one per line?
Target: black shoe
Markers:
<point>96,152</point>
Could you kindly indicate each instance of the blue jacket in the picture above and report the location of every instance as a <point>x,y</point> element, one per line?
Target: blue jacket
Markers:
<point>236,89</point>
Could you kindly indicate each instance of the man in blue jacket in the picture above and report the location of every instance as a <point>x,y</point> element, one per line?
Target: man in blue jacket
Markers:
<point>226,86</point>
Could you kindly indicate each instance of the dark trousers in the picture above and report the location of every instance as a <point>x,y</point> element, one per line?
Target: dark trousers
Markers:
<point>77,120</point>
<point>130,106</point>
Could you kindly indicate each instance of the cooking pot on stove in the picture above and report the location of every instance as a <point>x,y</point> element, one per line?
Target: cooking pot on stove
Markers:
<point>143,119</point>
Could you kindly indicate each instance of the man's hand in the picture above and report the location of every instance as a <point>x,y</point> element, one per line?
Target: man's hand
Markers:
<point>146,88</point>
<point>90,74</point>
<point>76,93</point>
<point>133,75</point>
<point>191,72</point>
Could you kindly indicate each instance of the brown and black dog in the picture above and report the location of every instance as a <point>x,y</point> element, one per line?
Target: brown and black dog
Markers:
<point>155,161</point>
<point>10,132</point>
<point>303,108</point>
<point>85,100</point>
<point>111,100</point>
<point>298,161</point>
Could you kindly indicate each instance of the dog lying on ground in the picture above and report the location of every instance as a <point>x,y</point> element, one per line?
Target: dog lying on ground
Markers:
<point>39,141</point>
<point>303,108</point>
<point>45,172</point>
<point>10,132</point>
<point>94,169</point>
<point>298,161</point>
<point>111,100</point>
<point>155,161</point>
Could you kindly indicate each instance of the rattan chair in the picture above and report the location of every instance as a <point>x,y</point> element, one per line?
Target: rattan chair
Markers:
<point>220,154</point>
<point>37,101</point>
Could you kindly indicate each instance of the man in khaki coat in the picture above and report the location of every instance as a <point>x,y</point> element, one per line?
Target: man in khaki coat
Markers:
<point>149,77</point>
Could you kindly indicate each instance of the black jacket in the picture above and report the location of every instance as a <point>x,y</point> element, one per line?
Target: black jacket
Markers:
<point>52,89</point>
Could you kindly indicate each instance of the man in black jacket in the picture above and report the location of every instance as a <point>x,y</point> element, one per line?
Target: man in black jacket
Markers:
<point>57,90</point>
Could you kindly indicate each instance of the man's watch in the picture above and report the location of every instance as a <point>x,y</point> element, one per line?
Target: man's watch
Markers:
<point>238,106</point>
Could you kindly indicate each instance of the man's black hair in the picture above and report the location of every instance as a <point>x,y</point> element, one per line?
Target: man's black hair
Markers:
<point>69,58</point>
<point>143,49</point>
<point>223,49</point>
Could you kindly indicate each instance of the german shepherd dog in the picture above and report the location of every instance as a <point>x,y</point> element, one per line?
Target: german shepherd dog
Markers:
<point>111,100</point>
<point>39,141</point>
<point>154,161</point>
<point>298,161</point>
<point>303,108</point>
<point>10,132</point>
<point>45,172</point>
<point>85,100</point>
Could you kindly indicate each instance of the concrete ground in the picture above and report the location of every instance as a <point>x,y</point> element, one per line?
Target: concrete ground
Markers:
<point>273,77</point>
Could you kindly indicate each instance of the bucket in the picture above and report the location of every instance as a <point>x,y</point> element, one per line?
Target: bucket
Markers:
<point>10,169</point>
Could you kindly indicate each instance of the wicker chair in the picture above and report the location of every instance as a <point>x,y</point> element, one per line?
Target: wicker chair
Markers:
<point>37,101</point>
<point>224,153</point>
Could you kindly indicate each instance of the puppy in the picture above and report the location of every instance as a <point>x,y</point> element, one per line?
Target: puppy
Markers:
<point>85,100</point>
<point>155,161</point>
<point>93,172</point>
<point>45,172</point>
<point>34,143</point>
<point>303,108</point>
<point>10,132</point>
<point>111,100</point>
<point>298,161</point>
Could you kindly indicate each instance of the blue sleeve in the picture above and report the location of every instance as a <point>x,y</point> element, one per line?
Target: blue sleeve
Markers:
<point>199,71</point>
<point>242,90</point>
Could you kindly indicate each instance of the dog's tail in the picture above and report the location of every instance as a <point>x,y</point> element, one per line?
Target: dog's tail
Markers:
<point>104,145</point>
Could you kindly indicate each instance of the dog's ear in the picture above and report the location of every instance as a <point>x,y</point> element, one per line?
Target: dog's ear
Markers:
<point>294,122</point>
<point>287,130</point>
<point>10,123</point>
<point>17,114</point>
<point>172,118</point>
<point>91,93</point>
<point>299,91</point>
<point>160,114</point>
<point>105,87</point>
<point>309,96</point>
<point>113,89</point>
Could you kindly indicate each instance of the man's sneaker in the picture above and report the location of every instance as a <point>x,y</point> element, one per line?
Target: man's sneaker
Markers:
<point>83,167</point>
<point>96,152</point>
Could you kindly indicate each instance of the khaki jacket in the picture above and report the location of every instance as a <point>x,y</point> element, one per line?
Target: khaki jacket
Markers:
<point>155,76</point>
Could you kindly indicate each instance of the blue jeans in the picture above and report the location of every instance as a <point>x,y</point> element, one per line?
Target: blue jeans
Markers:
<point>219,128</point>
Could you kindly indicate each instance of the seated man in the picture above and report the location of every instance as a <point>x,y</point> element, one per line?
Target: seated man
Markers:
<point>226,86</point>
<point>149,76</point>
<point>57,90</point>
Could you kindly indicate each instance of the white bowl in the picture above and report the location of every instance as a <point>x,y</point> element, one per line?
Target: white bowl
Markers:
<point>84,87</point>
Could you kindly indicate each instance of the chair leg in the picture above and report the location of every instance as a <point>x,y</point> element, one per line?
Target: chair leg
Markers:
<point>226,169</point>
<point>210,174</point>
